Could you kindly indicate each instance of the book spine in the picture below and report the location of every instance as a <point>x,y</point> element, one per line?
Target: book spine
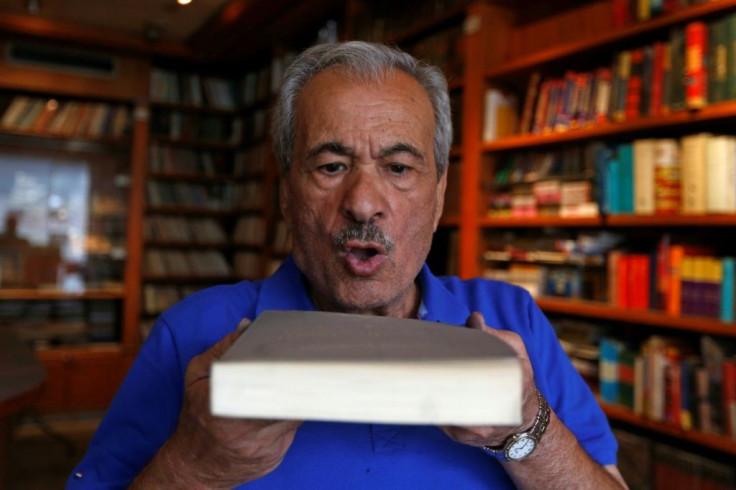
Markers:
<point>727,290</point>
<point>696,42</point>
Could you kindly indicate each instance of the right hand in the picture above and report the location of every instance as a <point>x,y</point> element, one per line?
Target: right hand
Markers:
<point>216,451</point>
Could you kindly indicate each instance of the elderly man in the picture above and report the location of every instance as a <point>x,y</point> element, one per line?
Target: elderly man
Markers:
<point>362,133</point>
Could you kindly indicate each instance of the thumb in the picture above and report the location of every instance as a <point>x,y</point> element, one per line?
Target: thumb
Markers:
<point>476,321</point>
<point>217,350</point>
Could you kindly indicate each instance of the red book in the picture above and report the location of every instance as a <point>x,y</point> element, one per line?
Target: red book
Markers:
<point>621,13</point>
<point>673,386</point>
<point>638,281</point>
<point>634,90</point>
<point>622,273</point>
<point>696,47</point>
<point>657,89</point>
<point>729,397</point>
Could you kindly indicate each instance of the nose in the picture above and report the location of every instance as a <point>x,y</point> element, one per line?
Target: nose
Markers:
<point>365,198</point>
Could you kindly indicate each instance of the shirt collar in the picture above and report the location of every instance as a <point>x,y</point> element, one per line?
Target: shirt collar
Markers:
<point>286,290</point>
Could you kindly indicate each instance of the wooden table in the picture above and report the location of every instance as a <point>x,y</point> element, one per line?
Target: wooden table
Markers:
<point>21,382</point>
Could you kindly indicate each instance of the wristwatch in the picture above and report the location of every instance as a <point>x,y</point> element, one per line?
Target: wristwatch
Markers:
<point>520,446</point>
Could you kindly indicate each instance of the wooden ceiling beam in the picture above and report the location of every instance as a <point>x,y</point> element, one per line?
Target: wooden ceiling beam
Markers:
<point>85,35</point>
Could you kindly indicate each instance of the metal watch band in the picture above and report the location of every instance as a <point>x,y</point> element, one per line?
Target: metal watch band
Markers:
<point>535,432</point>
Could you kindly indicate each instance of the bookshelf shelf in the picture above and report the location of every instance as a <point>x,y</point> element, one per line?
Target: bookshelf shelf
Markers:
<point>196,143</point>
<point>191,211</point>
<point>193,108</point>
<point>680,120</point>
<point>591,309</point>
<point>720,443</point>
<point>109,141</point>
<point>673,221</point>
<point>608,39</point>
<point>188,245</point>
<point>498,222</point>
<point>57,294</point>
<point>189,279</point>
<point>194,177</point>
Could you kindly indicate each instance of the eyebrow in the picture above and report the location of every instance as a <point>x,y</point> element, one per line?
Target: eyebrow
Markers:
<point>330,147</point>
<point>401,148</point>
<point>337,148</point>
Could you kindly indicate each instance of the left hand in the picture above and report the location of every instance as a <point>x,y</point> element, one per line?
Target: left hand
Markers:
<point>496,435</point>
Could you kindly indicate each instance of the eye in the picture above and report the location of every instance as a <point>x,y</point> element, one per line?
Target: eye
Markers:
<point>331,168</point>
<point>398,168</point>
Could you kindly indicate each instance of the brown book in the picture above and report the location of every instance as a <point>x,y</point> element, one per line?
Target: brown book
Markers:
<point>355,368</point>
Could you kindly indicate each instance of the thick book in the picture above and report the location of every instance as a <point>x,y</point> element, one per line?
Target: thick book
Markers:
<point>296,365</point>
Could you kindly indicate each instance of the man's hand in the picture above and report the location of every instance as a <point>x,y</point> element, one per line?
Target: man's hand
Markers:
<point>216,452</point>
<point>492,435</point>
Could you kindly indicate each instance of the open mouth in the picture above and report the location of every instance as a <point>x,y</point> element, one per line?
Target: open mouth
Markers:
<point>364,259</point>
<point>363,253</point>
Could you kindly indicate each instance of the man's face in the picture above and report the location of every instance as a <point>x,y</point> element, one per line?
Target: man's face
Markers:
<point>362,196</point>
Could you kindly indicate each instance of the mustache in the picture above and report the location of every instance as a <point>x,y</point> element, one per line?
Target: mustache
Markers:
<point>364,232</point>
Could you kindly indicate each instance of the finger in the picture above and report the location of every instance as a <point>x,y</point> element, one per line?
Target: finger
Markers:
<point>476,321</point>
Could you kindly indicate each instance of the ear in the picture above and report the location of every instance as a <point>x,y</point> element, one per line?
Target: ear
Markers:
<point>440,199</point>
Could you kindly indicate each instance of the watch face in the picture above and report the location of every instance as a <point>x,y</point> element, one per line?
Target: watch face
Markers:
<point>521,448</point>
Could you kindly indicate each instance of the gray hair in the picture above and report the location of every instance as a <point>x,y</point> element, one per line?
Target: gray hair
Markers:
<point>369,61</point>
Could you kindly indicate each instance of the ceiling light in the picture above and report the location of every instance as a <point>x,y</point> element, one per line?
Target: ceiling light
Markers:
<point>183,2</point>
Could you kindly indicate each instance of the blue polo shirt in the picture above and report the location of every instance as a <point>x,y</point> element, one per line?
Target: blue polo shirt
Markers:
<point>327,455</point>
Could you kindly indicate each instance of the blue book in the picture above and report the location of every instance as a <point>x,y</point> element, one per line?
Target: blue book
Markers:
<point>727,289</point>
<point>613,195</point>
<point>601,158</point>
<point>626,178</point>
<point>655,7</point>
<point>608,374</point>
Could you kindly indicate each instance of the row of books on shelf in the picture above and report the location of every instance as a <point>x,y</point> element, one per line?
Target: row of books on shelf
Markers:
<point>171,160</point>
<point>652,80</point>
<point>668,380</point>
<point>646,464</point>
<point>48,323</point>
<point>67,118</point>
<point>259,84</point>
<point>674,278</point>
<point>209,196</point>
<point>250,230</point>
<point>189,263</point>
<point>388,19</point>
<point>220,92</point>
<point>695,174</point>
<point>157,298</point>
<point>252,160</point>
<point>177,125</point>
<point>192,88</point>
<point>184,230</point>
<point>626,12</point>
<point>444,50</point>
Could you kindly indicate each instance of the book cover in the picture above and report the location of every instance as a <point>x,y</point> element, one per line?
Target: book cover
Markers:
<point>342,367</point>
<point>717,61</point>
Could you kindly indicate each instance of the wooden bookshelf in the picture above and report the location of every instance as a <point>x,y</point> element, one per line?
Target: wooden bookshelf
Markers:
<point>681,120</point>
<point>502,222</point>
<point>602,311</point>
<point>713,441</point>
<point>57,294</point>
<point>607,40</point>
